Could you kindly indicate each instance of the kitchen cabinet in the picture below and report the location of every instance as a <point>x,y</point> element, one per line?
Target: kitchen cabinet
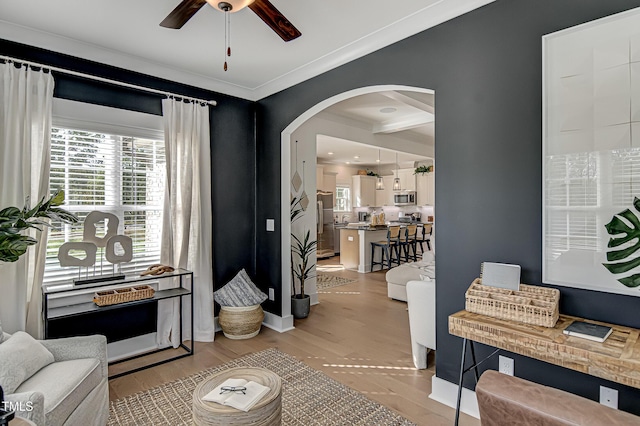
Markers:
<point>364,191</point>
<point>385,197</point>
<point>349,248</point>
<point>407,179</point>
<point>329,184</point>
<point>425,189</point>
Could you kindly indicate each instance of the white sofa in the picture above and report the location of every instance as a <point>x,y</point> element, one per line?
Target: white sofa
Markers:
<point>398,277</point>
<point>56,382</point>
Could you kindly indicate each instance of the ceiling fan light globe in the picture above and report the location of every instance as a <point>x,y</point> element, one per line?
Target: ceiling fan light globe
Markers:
<point>236,5</point>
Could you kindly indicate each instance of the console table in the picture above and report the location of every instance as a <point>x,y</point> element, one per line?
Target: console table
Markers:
<point>68,310</point>
<point>616,359</point>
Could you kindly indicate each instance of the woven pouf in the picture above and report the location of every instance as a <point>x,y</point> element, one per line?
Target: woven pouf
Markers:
<point>268,411</point>
<point>240,322</point>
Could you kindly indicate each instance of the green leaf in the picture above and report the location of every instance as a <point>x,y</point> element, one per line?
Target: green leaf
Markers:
<point>13,221</point>
<point>619,268</point>
<point>632,281</point>
<point>58,198</point>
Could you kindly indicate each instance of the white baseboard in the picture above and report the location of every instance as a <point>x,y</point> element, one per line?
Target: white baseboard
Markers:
<point>314,299</point>
<point>447,393</point>
<point>279,324</point>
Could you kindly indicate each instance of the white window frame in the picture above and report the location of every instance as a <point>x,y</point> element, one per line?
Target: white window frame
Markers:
<point>348,198</point>
<point>112,121</point>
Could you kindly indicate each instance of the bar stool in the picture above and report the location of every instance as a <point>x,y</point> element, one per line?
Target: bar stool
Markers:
<point>410,243</point>
<point>425,236</point>
<point>389,246</point>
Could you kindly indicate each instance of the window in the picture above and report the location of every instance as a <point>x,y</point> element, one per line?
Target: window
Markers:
<point>123,175</point>
<point>343,199</point>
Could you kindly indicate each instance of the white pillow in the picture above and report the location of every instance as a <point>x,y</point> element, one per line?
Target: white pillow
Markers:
<point>1,333</point>
<point>240,291</point>
<point>21,356</point>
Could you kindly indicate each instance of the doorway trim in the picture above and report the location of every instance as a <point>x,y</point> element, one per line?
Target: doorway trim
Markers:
<point>286,322</point>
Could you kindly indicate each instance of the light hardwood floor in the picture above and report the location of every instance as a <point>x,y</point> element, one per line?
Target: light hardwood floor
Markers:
<point>355,334</point>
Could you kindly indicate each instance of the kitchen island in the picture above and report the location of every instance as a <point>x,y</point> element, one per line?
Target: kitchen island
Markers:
<point>355,245</point>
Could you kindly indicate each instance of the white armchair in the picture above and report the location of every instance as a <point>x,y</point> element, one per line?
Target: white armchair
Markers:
<point>421,300</point>
<point>70,389</point>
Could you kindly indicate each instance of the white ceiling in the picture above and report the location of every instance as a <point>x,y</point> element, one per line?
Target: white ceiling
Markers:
<point>125,33</point>
<point>403,114</point>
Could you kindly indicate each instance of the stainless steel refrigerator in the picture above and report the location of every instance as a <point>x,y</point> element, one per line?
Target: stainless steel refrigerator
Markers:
<point>325,224</point>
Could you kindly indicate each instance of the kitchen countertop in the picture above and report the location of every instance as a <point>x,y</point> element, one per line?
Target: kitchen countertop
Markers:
<point>361,226</point>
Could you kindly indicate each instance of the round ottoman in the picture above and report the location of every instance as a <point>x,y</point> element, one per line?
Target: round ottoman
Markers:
<point>268,411</point>
<point>240,322</point>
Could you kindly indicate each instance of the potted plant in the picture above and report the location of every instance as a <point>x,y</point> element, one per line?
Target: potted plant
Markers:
<point>13,221</point>
<point>301,250</point>
<point>301,302</point>
<point>423,169</point>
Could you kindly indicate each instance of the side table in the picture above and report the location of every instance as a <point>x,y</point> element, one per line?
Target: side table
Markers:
<point>267,412</point>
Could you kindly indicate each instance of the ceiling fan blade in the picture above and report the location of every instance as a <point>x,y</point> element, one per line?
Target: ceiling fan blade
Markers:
<point>182,13</point>
<point>276,20</point>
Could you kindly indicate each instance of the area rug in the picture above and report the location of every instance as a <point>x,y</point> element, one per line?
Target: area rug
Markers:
<point>309,397</point>
<point>325,281</point>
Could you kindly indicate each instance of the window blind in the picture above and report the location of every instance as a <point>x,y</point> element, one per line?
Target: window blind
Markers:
<point>118,174</point>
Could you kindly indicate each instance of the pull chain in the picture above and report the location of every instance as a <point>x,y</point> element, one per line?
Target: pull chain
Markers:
<point>227,37</point>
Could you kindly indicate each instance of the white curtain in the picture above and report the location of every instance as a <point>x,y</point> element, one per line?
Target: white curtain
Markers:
<point>25,137</point>
<point>186,227</point>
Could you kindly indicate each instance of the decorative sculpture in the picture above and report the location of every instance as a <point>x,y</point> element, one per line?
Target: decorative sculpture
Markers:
<point>91,241</point>
<point>111,223</point>
<point>66,259</point>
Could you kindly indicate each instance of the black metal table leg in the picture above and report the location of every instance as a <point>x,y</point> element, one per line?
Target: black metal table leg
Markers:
<point>464,352</point>
<point>463,370</point>
<point>473,359</point>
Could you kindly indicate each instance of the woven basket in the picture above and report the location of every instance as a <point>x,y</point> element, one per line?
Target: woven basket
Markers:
<point>241,322</point>
<point>122,295</point>
<point>530,305</point>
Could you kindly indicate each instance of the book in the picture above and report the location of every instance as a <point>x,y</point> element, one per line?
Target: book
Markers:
<point>586,330</point>
<point>244,399</point>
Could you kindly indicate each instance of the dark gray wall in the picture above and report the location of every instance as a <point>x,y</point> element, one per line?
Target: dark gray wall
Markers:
<point>486,70</point>
<point>232,145</point>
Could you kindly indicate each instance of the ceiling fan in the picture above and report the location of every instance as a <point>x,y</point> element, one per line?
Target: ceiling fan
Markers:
<point>263,8</point>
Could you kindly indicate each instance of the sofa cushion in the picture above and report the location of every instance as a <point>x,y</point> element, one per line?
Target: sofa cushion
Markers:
<point>21,356</point>
<point>64,384</point>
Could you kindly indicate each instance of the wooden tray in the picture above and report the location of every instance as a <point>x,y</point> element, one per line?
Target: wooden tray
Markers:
<point>123,295</point>
<point>530,305</point>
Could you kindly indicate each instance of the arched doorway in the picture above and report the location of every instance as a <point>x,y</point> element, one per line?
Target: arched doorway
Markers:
<point>285,180</point>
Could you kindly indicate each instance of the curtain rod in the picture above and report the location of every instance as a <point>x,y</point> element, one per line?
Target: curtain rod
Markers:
<point>106,80</point>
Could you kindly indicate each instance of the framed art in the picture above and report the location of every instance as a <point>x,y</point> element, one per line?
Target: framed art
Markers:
<point>591,155</point>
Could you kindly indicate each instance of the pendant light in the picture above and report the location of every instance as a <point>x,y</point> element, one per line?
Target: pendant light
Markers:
<point>380,181</point>
<point>396,181</point>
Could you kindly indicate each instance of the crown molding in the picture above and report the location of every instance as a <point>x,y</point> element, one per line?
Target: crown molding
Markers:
<point>428,17</point>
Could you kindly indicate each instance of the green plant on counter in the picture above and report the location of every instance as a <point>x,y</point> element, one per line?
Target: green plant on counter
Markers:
<point>372,173</point>
<point>13,221</point>
<point>423,170</point>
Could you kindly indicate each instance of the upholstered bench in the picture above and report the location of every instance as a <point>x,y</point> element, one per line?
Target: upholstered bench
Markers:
<point>506,401</point>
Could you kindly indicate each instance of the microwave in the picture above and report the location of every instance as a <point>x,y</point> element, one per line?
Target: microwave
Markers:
<point>404,198</point>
